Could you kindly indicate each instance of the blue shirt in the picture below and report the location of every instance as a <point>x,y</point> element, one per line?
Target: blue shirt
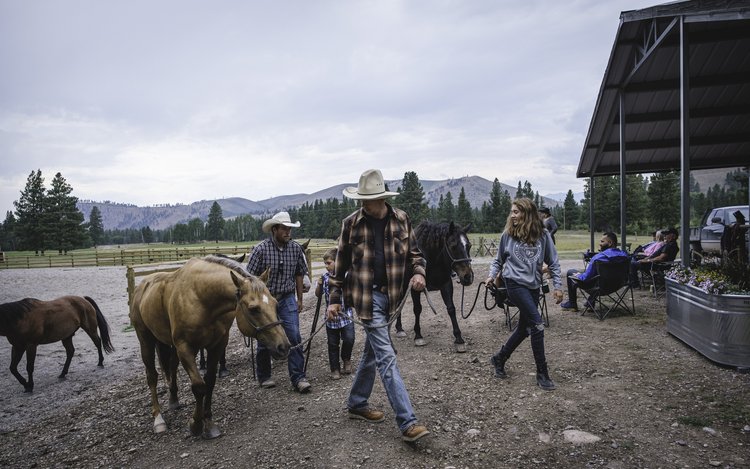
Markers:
<point>604,256</point>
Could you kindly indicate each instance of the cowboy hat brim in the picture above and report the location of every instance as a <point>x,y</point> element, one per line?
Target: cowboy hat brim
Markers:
<point>268,224</point>
<point>353,193</point>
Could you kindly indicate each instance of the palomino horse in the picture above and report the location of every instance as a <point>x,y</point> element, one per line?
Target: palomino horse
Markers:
<point>177,313</point>
<point>446,248</point>
<point>30,322</point>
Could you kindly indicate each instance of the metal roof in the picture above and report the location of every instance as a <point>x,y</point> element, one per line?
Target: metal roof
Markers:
<point>645,66</point>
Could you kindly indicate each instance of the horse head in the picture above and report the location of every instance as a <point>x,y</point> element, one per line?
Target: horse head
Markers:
<point>256,313</point>
<point>458,248</point>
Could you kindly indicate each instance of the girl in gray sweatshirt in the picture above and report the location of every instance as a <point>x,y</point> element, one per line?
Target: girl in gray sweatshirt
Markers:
<point>525,246</point>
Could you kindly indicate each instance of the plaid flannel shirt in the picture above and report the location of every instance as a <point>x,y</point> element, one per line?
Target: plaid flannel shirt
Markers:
<point>285,262</point>
<point>356,257</point>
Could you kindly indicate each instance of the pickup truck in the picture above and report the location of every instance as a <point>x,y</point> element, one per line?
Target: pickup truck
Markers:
<point>707,237</point>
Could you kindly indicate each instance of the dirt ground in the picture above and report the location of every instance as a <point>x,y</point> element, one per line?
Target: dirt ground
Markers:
<point>650,400</point>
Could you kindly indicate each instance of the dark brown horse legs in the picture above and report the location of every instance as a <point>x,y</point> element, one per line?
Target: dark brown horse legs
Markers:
<point>69,350</point>
<point>15,358</point>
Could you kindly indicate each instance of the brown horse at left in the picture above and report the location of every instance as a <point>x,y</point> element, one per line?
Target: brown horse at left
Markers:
<point>30,322</point>
<point>178,313</point>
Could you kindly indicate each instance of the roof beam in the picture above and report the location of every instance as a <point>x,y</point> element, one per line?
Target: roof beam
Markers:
<point>674,115</point>
<point>675,142</point>
<point>673,84</point>
<point>732,161</point>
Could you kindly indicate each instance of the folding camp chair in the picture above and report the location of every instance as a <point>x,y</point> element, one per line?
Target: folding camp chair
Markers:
<point>607,290</point>
<point>511,317</point>
<point>653,277</point>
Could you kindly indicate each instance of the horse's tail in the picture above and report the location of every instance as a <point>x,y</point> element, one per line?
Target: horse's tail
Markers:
<point>103,326</point>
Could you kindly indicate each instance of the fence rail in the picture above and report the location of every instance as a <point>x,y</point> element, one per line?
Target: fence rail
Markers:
<point>119,257</point>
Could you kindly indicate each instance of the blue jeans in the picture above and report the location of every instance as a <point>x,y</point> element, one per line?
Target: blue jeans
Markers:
<point>286,309</point>
<point>378,352</point>
<point>345,336</point>
<point>530,322</point>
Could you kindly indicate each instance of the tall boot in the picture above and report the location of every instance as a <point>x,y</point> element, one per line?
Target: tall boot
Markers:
<point>498,361</point>
<point>542,377</point>
<point>537,346</point>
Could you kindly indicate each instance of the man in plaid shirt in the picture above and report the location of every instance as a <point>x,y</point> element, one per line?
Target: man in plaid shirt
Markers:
<point>377,251</point>
<point>286,259</point>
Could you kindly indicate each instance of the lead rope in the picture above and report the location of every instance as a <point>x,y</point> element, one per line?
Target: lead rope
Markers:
<point>476,297</point>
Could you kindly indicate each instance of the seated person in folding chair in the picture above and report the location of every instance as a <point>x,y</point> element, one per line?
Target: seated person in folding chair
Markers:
<point>608,251</point>
<point>649,249</point>
<point>666,253</point>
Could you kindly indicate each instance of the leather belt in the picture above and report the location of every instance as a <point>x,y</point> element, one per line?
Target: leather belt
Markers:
<point>381,289</point>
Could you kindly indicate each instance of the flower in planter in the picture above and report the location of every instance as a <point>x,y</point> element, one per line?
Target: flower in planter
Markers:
<point>713,278</point>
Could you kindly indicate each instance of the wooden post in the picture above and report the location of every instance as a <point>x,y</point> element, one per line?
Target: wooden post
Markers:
<point>131,284</point>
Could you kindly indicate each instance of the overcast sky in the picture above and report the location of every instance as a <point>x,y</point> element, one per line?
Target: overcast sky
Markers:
<point>151,102</point>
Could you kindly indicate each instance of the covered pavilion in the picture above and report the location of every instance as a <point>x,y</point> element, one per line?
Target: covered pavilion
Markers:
<point>675,96</point>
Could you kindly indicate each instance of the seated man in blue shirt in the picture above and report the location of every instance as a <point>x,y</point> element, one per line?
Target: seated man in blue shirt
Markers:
<point>607,252</point>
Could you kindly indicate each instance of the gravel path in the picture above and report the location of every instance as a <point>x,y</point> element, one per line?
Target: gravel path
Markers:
<point>650,400</point>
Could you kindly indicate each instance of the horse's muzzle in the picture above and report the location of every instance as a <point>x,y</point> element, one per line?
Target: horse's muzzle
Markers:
<point>280,351</point>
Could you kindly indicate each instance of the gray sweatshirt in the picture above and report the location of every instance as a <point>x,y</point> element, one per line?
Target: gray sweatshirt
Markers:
<point>523,262</point>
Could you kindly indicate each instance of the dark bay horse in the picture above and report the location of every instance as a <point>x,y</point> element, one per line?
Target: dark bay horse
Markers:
<point>446,248</point>
<point>177,313</point>
<point>30,322</point>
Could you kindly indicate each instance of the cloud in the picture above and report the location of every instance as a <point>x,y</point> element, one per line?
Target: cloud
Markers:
<point>166,102</point>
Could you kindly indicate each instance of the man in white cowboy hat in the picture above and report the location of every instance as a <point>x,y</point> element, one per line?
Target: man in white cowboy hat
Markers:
<point>377,250</point>
<point>286,259</point>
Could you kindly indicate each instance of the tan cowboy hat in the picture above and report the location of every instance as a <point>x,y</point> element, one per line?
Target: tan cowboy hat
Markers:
<point>371,187</point>
<point>281,218</point>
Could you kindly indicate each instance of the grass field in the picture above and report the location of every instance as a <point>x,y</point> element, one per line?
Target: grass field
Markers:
<point>570,245</point>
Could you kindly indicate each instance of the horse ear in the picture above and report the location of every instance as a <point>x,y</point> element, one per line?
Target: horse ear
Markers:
<point>451,228</point>
<point>306,243</point>
<point>237,281</point>
<point>265,275</point>
<point>467,228</point>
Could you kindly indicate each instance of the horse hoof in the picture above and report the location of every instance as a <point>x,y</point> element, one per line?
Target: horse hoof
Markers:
<point>174,405</point>
<point>160,426</point>
<point>223,373</point>
<point>460,348</point>
<point>211,433</point>
<point>420,342</point>
<point>400,334</point>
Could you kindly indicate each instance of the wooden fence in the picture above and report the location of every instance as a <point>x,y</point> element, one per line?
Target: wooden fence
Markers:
<point>117,257</point>
<point>140,270</point>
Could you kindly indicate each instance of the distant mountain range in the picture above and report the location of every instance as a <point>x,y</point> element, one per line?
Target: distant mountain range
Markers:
<point>124,216</point>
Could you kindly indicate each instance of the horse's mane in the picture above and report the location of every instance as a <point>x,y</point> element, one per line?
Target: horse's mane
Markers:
<point>430,236</point>
<point>12,312</point>
<point>230,264</point>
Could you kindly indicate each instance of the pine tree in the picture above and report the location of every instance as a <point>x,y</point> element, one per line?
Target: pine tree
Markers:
<point>64,223</point>
<point>664,199</point>
<point>446,208</point>
<point>411,198</point>
<point>498,208</point>
<point>30,208</point>
<point>570,211</point>
<point>463,210</point>
<point>215,225</point>
<point>8,240</point>
<point>96,226</point>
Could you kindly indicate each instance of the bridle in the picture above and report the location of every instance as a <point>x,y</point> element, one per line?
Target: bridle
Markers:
<point>260,329</point>
<point>453,260</point>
